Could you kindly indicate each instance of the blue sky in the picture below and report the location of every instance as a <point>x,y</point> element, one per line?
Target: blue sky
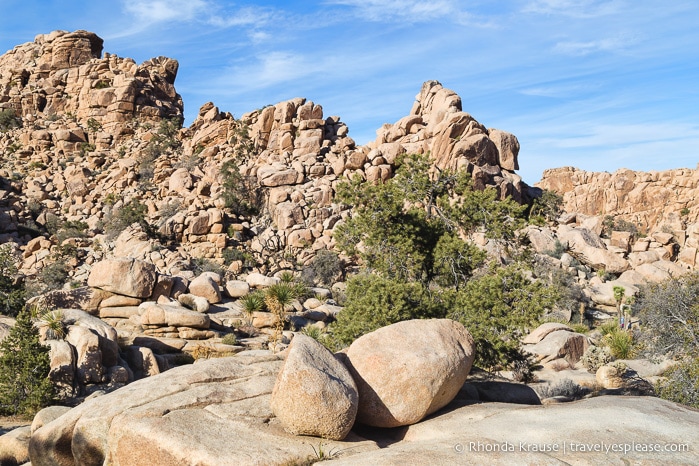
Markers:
<point>594,84</point>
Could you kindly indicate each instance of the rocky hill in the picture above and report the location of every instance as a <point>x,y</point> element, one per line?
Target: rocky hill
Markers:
<point>652,201</point>
<point>146,237</point>
<point>89,138</point>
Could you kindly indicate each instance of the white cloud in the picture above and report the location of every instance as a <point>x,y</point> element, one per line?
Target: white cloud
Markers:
<point>575,8</point>
<point>580,48</point>
<point>271,69</point>
<point>247,16</point>
<point>157,11</point>
<point>558,91</point>
<point>406,10</point>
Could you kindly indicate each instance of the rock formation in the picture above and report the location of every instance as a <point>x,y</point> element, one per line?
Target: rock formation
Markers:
<point>653,201</point>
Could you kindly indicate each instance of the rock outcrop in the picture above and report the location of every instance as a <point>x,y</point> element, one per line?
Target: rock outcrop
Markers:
<point>653,201</point>
<point>227,400</point>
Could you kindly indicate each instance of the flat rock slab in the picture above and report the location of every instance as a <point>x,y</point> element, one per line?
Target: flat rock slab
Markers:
<point>216,412</point>
<point>172,316</point>
<point>480,434</point>
<point>213,412</point>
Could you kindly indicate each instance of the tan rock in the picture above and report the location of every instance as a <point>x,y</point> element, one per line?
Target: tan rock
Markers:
<point>257,280</point>
<point>543,330</point>
<point>560,344</point>
<point>236,288</point>
<point>409,370</point>
<point>508,148</point>
<point>611,375</point>
<point>47,415</point>
<point>194,302</point>
<point>314,393</point>
<point>128,277</point>
<point>174,316</point>
<point>14,446</point>
<point>207,288</point>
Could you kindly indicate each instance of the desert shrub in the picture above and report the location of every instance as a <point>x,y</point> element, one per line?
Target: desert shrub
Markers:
<point>71,229</point>
<point>497,307</point>
<point>163,142</point>
<point>374,302</point>
<point>580,328</point>
<point>419,263</point>
<point>325,268</point>
<point>199,265</point>
<point>565,387</point>
<point>669,313</point>
<point>229,339</point>
<point>620,344</point>
<point>51,323</point>
<point>119,219</point>
<point>547,207</point>
<point>611,223</point>
<point>523,370</point>
<point>608,327</point>
<point>54,275</point>
<point>9,120</point>
<point>12,292</point>
<point>564,283</point>
<point>94,125</point>
<point>312,331</point>
<point>557,251</point>
<point>681,384</point>
<point>24,368</point>
<point>242,193</point>
<point>596,357</point>
<point>278,298</point>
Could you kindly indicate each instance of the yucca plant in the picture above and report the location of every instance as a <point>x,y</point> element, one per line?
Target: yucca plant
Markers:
<point>620,344</point>
<point>51,325</point>
<point>277,298</point>
<point>253,302</point>
<point>287,277</point>
<point>314,332</point>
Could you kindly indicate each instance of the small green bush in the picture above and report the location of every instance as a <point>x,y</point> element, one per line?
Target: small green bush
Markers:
<point>325,268</point>
<point>200,265</point>
<point>681,384</point>
<point>596,357</point>
<point>24,368</point>
<point>230,339</point>
<point>119,219</point>
<point>620,343</point>
<point>548,207</point>
<point>12,292</point>
<point>9,120</point>
<point>253,302</point>
<point>565,387</point>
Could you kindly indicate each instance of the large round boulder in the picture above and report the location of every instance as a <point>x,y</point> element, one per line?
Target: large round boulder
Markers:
<point>314,393</point>
<point>409,370</point>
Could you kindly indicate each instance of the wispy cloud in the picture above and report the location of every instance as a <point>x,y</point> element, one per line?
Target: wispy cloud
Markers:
<point>611,135</point>
<point>158,11</point>
<point>559,90</point>
<point>146,14</point>
<point>576,8</point>
<point>412,11</point>
<point>609,44</point>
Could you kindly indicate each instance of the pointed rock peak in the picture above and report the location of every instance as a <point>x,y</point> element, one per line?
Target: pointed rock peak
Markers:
<point>434,102</point>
